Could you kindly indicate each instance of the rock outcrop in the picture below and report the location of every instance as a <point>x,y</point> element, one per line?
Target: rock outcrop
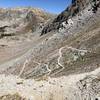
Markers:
<point>75,8</point>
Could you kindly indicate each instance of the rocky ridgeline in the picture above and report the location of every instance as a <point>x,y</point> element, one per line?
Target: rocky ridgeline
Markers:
<point>75,8</point>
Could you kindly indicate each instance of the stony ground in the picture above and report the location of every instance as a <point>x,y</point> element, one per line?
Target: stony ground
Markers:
<point>72,87</point>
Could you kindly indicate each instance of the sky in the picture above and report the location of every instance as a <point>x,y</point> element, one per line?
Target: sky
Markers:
<point>52,6</point>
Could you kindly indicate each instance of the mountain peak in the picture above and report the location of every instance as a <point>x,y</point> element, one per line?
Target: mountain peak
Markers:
<point>75,8</point>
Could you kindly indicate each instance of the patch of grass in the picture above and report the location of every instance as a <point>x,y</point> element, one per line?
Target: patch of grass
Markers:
<point>12,97</point>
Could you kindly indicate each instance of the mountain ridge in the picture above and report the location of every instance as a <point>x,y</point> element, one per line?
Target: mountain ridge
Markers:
<point>76,7</point>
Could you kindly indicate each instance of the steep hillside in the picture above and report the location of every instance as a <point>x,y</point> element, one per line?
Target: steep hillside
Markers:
<point>63,64</point>
<point>74,47</point>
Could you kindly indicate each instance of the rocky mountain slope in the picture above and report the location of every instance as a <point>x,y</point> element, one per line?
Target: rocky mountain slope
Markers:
<point>75,8</point>
<point>63,64</point>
